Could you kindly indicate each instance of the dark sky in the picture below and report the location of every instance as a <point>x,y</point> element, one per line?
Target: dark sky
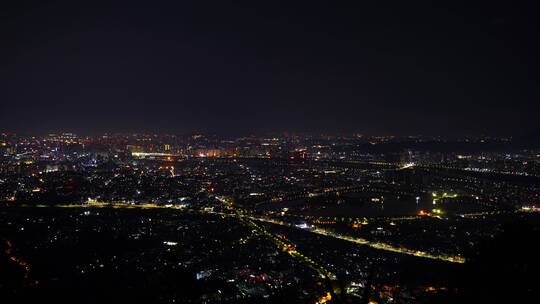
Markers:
<point>216,66</point>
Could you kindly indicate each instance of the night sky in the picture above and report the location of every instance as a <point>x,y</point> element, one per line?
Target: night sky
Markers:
<point>236,68</point>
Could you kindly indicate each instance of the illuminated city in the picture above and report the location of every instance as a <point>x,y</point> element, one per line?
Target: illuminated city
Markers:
<point>245,152</point>
<point>332,218</point>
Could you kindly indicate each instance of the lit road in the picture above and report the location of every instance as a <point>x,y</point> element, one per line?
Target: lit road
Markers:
<point>286,246</point>
<point>376,245</point>
<point>361,241</point>
<point>328,191</point>
<point>240,213</point>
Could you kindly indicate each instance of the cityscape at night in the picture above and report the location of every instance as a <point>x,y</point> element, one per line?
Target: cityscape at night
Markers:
<point>298,218</point>
<point>263,152</point>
